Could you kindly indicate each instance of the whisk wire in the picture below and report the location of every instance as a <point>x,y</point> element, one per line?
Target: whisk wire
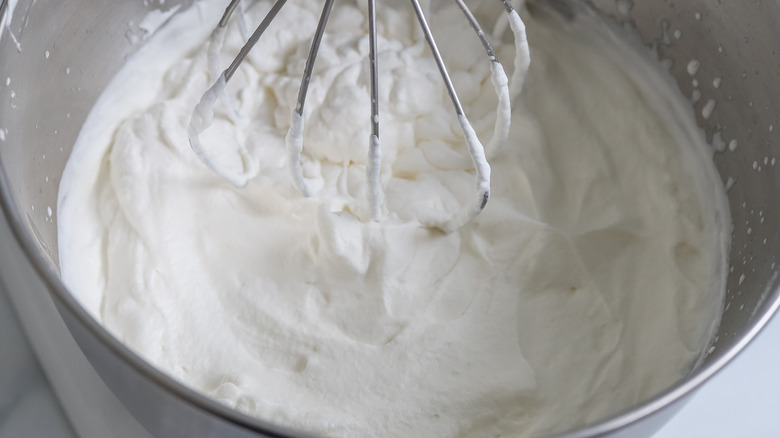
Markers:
<point>228,12</point>
<point>373,169</point>
<point>315,48</point>
<point>294,139</point>
<point>261,28</point>
<point>477,152</point>
<point>437,56</point>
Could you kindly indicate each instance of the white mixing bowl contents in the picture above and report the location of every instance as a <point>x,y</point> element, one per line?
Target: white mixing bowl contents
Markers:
<point>593,280</point>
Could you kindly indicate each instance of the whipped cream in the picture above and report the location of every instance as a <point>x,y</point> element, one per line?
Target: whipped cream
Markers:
<point>592,281</point>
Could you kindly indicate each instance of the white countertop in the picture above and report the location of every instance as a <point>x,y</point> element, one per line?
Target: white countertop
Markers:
<point>741,401</point>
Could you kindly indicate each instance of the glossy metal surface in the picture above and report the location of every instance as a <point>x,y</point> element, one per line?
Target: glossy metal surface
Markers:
<point>724,53</point>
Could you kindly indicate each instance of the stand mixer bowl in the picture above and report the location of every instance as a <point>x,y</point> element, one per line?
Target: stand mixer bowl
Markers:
<point>57,56</point>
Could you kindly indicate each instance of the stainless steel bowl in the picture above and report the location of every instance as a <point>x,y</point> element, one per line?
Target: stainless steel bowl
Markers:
<point>56,56</point>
